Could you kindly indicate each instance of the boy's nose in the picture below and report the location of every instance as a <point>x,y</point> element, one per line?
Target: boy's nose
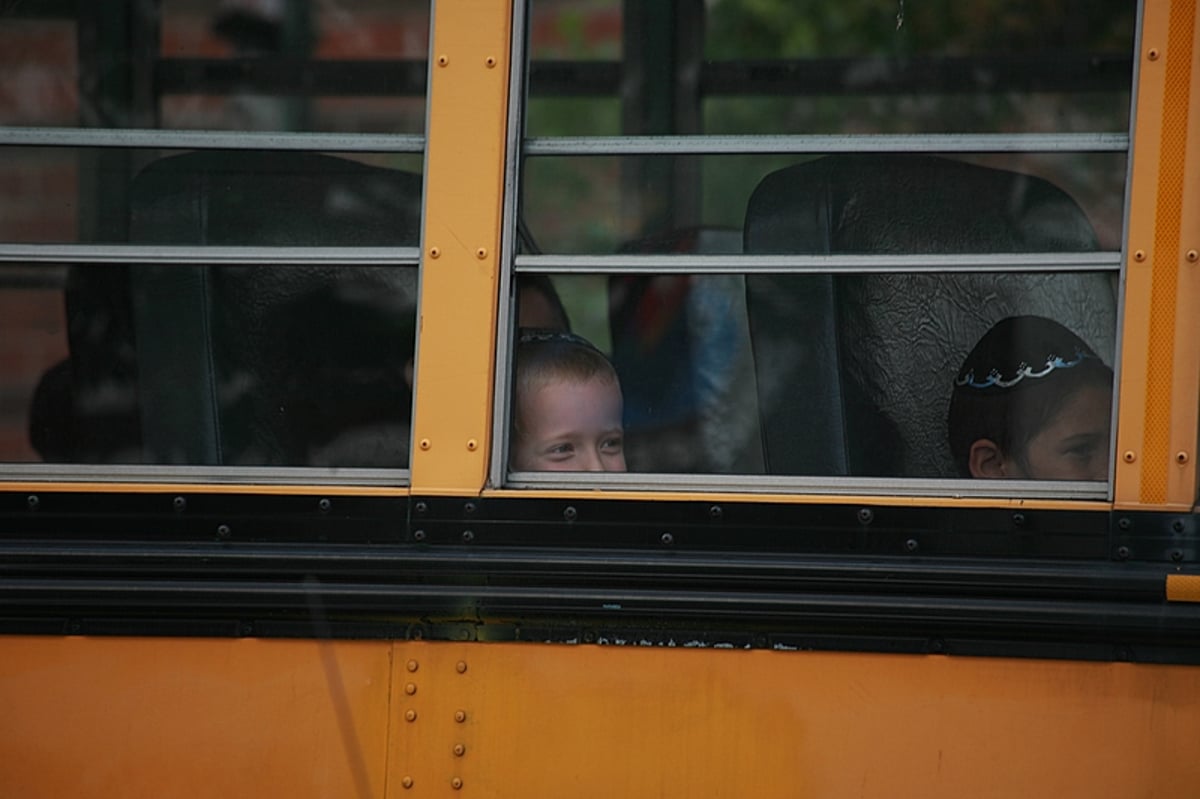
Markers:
<point>591,460</point>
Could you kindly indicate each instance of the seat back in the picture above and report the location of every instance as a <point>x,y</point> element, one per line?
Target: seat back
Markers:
<point>275,365</point>
<point>854,371</point>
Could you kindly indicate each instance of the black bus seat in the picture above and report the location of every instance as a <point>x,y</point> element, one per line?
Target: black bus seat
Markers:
<point>854,371</point>
<point>251,365</point>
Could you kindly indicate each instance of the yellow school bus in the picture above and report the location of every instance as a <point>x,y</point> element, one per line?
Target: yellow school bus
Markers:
<point>267,268</point>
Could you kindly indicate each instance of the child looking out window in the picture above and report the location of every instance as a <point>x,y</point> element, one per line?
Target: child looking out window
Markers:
<point>567,406</point>
<point>1031,401</point>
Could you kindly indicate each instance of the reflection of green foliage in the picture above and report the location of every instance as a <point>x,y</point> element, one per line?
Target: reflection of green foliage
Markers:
<point>573,116</point>
<point>577,205</point>
<point>739,29</point>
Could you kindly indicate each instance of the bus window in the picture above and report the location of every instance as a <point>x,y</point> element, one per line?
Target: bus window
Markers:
<point>231,246</point>
<point>885,185</point>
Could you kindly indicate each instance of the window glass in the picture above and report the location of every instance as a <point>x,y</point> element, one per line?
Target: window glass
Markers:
<point>208,365</point>
<point>242,197</point>
<point>33,341</point>
<point>619,204</point>
<point>817,374</point>
<point>169,358</point>
<point>923,67</point>
<point>356,66</point>
<point>957,164</point>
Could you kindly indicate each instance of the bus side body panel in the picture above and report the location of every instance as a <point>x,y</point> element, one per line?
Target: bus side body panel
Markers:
<point>217,717</point>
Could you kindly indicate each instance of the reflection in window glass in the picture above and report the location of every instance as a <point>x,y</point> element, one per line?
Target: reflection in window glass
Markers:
<point>869,67</point>
<point>738,68</point>
<point>828,375</point>
<point>79,195</point>
<point>583,204</point>
<point>351,66</point>
<point>33,346</point>
<point>205,365</point>
<point>355,66</point>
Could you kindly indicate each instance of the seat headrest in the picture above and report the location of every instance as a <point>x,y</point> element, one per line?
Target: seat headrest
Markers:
<point>289,199</point>
<point>902,203</point>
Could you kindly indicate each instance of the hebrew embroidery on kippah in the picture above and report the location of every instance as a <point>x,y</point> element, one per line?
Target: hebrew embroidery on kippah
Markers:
<point>1024,370</point>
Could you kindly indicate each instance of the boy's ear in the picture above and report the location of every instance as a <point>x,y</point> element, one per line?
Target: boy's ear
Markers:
<point>986,460</point>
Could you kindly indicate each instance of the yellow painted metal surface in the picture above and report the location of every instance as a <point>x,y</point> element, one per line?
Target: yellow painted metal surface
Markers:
<point>1183,587</point>
<point>1157,432</point>
<point>161,717</point>
<point>198,718</point>
<point>464,177</point>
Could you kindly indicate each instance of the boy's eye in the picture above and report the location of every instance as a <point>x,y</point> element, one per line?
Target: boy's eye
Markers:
<point>561,450</point>
<point>612,445</point>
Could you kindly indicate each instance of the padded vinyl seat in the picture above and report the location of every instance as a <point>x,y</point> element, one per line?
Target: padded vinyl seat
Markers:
<point>854,371</point>
<point>277,365</point>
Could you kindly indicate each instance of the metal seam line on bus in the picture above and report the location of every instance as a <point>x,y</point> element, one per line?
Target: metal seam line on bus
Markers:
<point>464,184</point>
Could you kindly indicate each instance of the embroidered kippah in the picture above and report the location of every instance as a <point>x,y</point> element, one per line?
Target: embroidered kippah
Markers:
<point>1024,370</point>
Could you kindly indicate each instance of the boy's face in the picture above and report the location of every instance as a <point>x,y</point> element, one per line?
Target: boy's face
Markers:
<point>571,426</point>
<point>1074,445</point>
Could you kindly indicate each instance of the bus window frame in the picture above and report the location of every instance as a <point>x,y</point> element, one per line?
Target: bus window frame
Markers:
<point>515,263</point>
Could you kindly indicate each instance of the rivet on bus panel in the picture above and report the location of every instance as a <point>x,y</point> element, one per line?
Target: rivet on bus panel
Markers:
<point>461,667</point>
<point>490,61</point>
<point>410,715</point>
<point>1139,255</point>
<point>412,665</point>
<point>407,782</point>
<point>460,716</point>
<point>435,252</point>
<point>1129,456</point>
<point>1181,457</point>
<point>459,750</point>
<point>443,60</point>
<point>425,444</point>
<point>456,783</point>
<point>472,444</point>
<point>481,253</point>
<point>1193,256</point>
<point>410,688</point>
<point>1152,54</point>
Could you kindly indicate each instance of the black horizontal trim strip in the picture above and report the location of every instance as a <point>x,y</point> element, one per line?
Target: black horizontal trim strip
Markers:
<point>789,614</point>
<point>1013,603</point>
<point>850,75</point>
<point>551,567</point>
